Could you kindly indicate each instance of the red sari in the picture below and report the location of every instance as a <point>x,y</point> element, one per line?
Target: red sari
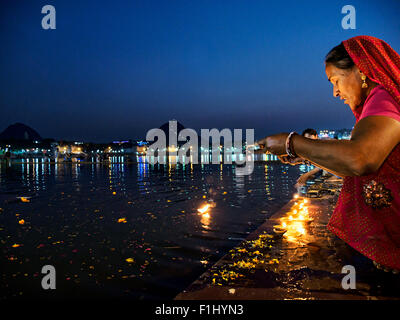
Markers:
<point>367,214</point>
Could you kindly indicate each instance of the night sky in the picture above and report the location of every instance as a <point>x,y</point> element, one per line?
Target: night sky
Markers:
<point>115,69</point>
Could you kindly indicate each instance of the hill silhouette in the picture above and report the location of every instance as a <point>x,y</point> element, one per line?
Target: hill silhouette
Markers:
<point>19,131</point>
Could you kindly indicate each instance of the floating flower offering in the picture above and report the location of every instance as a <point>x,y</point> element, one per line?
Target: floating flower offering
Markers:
<point>248,257</point>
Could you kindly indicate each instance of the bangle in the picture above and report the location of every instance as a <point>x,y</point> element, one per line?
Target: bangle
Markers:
<point>289,145</point>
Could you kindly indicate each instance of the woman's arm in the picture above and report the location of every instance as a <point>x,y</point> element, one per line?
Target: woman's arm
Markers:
<point>373,138</point>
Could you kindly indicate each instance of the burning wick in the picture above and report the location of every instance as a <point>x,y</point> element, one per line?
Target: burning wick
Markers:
<point>206,215</point>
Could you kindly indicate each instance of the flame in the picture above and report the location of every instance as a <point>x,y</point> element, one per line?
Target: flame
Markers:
<point>205,220</point>
<point>295,222</point>
<point>300,229</point>
<point>204,208</point>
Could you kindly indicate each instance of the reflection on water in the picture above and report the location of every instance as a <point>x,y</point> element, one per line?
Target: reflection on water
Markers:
<point>127,230</point>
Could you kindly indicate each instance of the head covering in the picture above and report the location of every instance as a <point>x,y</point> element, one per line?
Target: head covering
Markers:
<point>377,60</point>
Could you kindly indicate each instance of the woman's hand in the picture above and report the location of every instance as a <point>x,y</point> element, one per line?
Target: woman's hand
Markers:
<point>274,144</point>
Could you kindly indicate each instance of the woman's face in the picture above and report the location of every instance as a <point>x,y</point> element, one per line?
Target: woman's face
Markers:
<point>346,85</point>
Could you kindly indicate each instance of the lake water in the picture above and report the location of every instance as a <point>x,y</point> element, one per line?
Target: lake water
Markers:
<point>127,230</point>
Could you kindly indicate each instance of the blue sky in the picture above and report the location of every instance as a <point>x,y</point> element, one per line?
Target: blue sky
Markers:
<point>115,69</point>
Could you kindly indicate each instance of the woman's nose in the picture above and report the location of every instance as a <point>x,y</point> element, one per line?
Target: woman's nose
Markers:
<point>336,92</point>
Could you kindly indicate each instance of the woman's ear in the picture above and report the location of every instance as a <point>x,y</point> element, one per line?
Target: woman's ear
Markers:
<point>356,70</point>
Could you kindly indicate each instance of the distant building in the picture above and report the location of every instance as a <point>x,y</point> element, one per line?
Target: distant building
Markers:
<point>121,147</point>
<point>326,134</point>
<point>141,148</point>
<point>342,134</point>
<point>70,148</point>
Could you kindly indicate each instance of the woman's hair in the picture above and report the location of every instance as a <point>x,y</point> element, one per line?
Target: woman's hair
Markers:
<point>339,57</point>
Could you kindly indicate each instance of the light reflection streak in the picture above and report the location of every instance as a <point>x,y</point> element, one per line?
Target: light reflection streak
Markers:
<point>205,215</point>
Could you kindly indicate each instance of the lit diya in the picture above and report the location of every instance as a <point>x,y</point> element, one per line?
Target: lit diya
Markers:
<point>279,230</point>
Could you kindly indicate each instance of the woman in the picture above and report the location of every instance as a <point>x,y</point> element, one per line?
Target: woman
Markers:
<point>365,72</point>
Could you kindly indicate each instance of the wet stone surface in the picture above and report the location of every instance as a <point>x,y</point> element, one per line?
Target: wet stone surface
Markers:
<point>306,264</point>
